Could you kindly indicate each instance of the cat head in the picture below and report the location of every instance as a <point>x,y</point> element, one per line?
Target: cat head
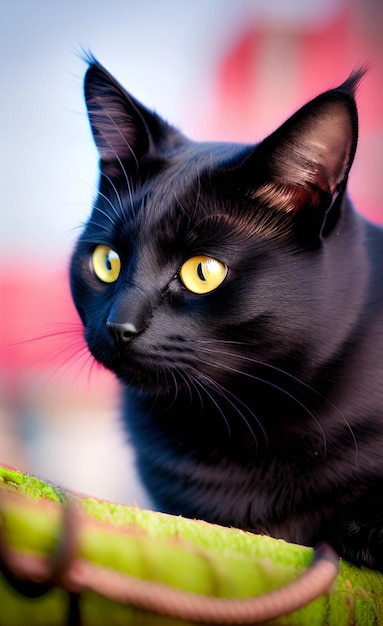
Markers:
<point>199,254</point>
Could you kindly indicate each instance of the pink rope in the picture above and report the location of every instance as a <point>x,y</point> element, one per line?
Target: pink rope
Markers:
<point>160,598</point>
<point>76,575</point>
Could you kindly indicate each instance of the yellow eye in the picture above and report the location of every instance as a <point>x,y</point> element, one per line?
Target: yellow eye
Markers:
<point>106,264</point>
<point>202,274</point>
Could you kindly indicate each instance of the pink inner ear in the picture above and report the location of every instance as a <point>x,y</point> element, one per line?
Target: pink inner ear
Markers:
<point>328,146</point>
<point>312,153</point>
<point>288,198</point>
<point>113,129</point>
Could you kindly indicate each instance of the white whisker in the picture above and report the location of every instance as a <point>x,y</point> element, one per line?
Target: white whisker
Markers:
<point>226,393</point>
<point>179,203</point>
<point>200,382</point>
<point>286,374</point>
<point>122,214</point>
<point>268,383</point>
<point>96,208</point>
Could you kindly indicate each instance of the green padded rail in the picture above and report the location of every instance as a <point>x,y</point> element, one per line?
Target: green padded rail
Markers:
<point>185,554</point>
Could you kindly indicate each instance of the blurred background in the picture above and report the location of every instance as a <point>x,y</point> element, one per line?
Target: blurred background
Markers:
<point>218,69</point>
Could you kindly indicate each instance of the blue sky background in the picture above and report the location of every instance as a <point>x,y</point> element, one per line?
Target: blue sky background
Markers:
<point>164,51</point>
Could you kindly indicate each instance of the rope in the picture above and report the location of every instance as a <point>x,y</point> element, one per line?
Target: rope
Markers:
<point>34,575</point>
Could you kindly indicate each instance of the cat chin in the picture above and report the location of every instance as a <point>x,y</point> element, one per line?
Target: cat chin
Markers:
<point>154,383</point>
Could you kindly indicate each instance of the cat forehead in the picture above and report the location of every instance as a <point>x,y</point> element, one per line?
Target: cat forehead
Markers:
<point>198,197</point>
<point>191,178</point>
<point>201,160</point>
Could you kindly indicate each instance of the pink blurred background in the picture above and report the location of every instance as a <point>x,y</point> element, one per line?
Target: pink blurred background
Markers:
<point>219,69</point>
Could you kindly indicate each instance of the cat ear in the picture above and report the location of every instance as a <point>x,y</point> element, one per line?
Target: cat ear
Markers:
<point>123,129</point>
<point>307,160</point>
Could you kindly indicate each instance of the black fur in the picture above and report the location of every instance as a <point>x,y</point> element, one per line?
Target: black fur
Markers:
<point>259,404</point>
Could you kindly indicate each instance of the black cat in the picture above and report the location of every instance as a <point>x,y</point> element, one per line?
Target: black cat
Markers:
<point>239,298</point>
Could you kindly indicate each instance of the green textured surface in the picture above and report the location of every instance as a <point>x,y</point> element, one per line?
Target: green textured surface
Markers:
<point>185,554</point>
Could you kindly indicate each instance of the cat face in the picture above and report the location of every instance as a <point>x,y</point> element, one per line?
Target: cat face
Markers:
<point>201,259</point>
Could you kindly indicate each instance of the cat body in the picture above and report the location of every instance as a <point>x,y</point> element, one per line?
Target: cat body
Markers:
<point>238,297</point>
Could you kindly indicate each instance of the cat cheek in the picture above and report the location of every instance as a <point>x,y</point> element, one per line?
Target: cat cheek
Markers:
<point>81,313</point>
<point>100,344</point>
<point>84,282</point>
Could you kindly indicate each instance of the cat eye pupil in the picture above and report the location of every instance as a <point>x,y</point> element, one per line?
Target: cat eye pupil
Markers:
<point>200,273</point>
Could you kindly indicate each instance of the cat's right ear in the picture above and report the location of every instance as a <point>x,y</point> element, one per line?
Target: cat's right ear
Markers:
<point>123,129</point>
<point>301,169</point>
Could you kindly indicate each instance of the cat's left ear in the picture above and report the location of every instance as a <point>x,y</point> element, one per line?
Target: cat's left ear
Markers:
<point>307,160</point>
<point>124,130</point>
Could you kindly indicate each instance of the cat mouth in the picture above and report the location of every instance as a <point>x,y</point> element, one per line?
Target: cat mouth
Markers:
<point>146,374</point>
<point>158,369</point>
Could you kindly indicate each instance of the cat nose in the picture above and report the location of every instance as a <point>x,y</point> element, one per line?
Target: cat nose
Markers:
<point>128,315</point>
<point>122,333</point>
